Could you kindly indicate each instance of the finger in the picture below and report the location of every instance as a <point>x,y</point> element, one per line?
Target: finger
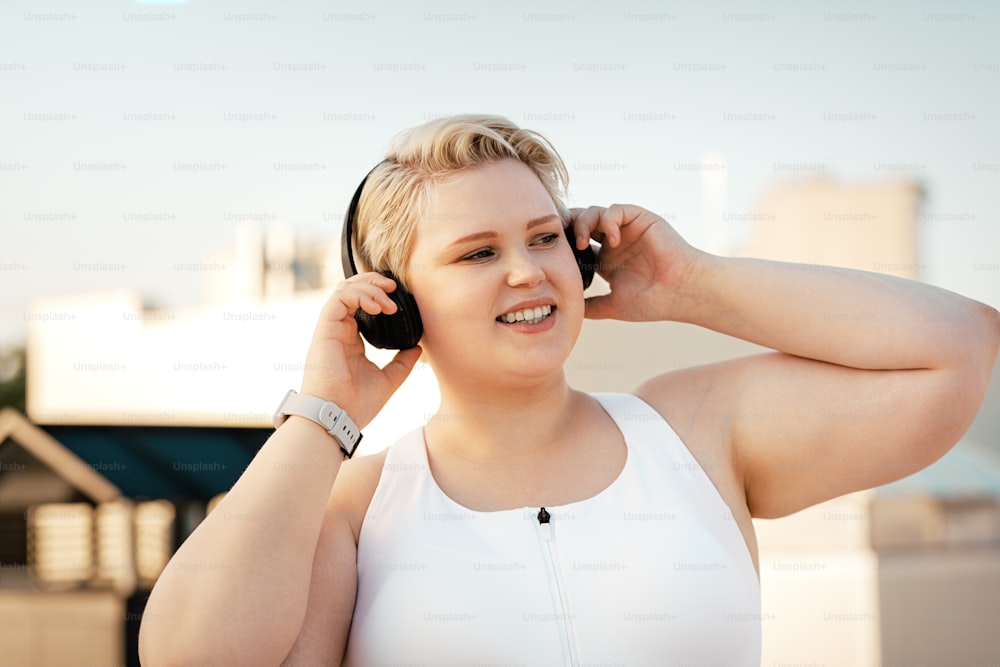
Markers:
<point>383,282</point>
<point>352,294</point>
<point>571,215</point>
<point>612,221</point>
<point>616,217</point>
<point>374,287</point>
<point>598,307</point>
<point>584,225</point>
<point>399,368</point>
<point>376,303</point>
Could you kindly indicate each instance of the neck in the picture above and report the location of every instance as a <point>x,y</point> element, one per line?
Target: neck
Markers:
<point>503,424</point>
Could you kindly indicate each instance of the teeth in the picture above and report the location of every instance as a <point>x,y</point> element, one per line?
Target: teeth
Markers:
<point>529,315</point>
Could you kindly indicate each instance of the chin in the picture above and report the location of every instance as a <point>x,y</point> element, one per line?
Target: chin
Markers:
<point>491,360</point>
<point>539,363</point>
<point>506,371</point>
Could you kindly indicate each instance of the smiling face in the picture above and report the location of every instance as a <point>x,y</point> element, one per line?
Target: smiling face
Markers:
<point>495,279</point>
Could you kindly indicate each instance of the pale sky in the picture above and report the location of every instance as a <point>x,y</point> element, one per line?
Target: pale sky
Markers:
<point>134,136</point>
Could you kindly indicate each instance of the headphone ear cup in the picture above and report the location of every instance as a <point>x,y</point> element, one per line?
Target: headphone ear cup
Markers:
<point>400,330</point>
<point>586,259</point>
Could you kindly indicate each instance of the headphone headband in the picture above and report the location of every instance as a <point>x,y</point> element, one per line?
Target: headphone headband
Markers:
<point>347,240</point>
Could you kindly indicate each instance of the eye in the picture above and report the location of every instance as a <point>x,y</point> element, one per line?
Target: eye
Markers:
<point>547,239</point>
<point>484,253</point>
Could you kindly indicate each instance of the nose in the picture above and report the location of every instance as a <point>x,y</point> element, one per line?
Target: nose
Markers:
<point>524,269</point>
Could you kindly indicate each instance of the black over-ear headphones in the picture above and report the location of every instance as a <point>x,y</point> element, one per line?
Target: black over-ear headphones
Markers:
<point>403,329</point>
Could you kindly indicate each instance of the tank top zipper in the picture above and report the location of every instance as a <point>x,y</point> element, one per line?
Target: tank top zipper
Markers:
<point>564,617</point>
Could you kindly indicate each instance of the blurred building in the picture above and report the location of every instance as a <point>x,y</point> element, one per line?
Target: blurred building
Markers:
<point>105,358</point>
<point>816,220</point>
<point>907,574</point>
<point>89,516</point>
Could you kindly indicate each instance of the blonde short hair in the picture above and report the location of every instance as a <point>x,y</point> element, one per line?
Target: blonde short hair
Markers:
<point>396,194</point>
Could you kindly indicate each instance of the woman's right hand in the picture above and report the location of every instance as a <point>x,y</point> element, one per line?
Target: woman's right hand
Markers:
<point>336,367</point>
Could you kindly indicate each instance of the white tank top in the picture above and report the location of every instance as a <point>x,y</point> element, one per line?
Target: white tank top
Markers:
<point>651,571</point>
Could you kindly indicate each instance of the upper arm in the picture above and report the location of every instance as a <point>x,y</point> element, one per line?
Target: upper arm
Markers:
<point>334,580</point>
<point>804,431</point>
<point>799,431</point>
<point>323,637</point>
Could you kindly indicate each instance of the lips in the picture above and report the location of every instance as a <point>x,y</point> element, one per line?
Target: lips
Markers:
<point>529,315</point>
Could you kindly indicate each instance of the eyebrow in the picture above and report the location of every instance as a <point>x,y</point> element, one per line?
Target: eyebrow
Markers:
<point>531,224</point>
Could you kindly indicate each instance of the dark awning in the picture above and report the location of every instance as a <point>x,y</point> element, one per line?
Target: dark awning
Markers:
<point>164,461</point>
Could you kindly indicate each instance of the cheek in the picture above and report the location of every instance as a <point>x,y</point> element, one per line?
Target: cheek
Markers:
<point>569,277</point>
<point>452,311</point>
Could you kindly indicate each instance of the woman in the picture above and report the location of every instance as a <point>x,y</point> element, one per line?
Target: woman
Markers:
<point>529,523</point>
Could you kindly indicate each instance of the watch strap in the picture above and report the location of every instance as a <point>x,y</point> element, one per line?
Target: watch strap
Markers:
<point>327,414</point>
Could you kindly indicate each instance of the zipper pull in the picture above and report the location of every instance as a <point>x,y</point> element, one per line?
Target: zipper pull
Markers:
<point>544,525</point>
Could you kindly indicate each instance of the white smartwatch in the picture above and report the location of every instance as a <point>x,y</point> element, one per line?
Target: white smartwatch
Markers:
<point>328,415</point>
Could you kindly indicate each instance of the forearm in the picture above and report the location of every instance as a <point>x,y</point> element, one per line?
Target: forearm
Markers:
<point>847,317</point>
<point>236,590</point>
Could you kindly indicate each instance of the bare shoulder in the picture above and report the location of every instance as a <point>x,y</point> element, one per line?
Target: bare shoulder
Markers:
<point>696,402</point>
<point>353,489</point>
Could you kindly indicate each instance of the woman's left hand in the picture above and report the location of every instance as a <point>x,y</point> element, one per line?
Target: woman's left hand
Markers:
<point>643,258</point>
